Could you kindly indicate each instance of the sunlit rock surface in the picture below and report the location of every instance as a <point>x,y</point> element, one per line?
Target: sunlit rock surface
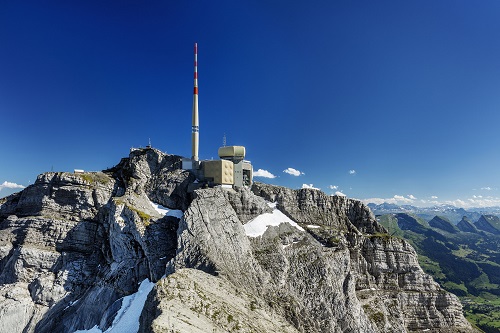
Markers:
<point>74,246</point>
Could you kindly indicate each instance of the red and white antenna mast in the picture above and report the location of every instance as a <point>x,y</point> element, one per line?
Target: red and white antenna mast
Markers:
<point>196,126</point>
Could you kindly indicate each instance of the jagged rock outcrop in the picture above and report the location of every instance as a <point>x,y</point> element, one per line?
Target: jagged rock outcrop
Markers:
<point>246,205</point>
<point>71,241</point>
<point>74,244</point>
<point>204,303</point>
<point>211,238</point>
<point>397,285</point>
<point>443,224</point>
<point>489,223</point>
<point>466,225</point>
<point>313,206</point>
<point>158,175</point>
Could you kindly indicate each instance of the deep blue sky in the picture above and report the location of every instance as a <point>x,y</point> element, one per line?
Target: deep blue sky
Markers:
<point>404,93</point>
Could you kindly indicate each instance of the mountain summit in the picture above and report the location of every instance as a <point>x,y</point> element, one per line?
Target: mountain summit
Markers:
<point>141,248</point>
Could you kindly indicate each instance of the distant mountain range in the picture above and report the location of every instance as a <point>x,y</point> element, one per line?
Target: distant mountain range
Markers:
<point>452,213</point>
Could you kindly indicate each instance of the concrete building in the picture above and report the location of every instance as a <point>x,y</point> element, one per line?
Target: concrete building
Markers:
<point>218,172</point>
<point>231,169</point>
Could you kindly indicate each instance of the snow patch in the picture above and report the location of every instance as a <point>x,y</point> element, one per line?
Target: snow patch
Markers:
<point>312,226</point>
<point>72,303</point>
<point>287,245</point>
<point>94,329</point>
<point>127,318</point>
<point>258,225</point>
<point>272,204</point>
<point>166,211</point>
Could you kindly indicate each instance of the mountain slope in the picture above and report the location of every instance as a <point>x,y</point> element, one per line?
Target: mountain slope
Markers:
<point>466,225</point>
<point>74,244</point>
<point>443,224</point>
<point>489,223</point>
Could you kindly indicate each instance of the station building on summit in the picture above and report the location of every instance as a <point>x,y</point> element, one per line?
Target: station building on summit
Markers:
<point>232,169</point>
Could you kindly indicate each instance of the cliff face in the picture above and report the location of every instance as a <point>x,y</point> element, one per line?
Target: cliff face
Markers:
<point>72,246</point>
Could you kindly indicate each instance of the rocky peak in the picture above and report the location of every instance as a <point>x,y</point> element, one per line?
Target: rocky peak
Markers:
<point>443,224</point>
<point>466,225</point>
<point>408,222</point>
<point>82,243</point>
<point>489,223</point>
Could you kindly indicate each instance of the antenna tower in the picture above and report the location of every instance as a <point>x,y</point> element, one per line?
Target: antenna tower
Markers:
<point>196,126</point>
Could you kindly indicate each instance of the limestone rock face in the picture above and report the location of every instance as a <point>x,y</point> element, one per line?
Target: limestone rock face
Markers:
<point>396,293</point>
<point>52,235</point>
<point>211,238</point>
<point>311,285</point>
<point>72,246</point>
<point>158,175</point>
<point>314,206</point>
<point>246,205</point>
<point>206,303</point>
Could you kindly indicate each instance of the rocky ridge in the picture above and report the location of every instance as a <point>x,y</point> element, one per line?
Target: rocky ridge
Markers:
<point>466,225</point>
<point>443,224</point>
<point>489,223</point>
<point>74,244</point>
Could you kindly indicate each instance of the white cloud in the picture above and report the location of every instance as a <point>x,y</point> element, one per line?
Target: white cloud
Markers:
<point>396,200</point>
<point>486,188</point>
<point>333,187</point>
<point>340,194</point>
<point>293,172</point>
<point>7,184</point>
<point>376,201</point>
<point>263,173</point>
<point>402,199</point>
<point>476,201</point>
<point>352,172</point>
<point>311,186</point>
<point>457,203</point>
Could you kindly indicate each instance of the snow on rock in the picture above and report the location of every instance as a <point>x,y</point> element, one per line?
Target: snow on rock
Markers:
<point>166,211</point>
<point>94,329</point>
<point>272,204</point>
<point>312,226</point>
<point>258,225</point>
<point>127,318</point>
<point>287,245</point>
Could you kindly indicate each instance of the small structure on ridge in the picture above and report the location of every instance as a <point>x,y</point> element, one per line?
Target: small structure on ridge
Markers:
<point>232,169</point>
